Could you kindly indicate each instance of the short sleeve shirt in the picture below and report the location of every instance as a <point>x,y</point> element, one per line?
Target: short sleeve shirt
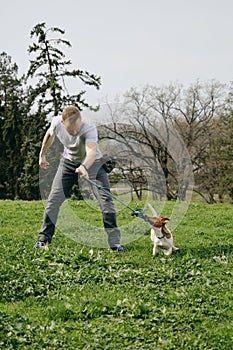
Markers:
<point>74,146</point>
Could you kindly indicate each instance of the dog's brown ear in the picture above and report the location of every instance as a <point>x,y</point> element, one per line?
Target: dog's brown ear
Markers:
<point>165,220</point>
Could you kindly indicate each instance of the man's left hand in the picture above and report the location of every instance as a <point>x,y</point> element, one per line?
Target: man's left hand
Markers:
<point>82,171</point>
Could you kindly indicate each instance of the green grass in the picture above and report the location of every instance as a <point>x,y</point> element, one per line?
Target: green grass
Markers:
<point>71,296</point>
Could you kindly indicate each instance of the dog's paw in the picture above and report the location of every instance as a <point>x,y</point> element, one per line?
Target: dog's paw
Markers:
<point>176,249</point>
<point>167,252</point>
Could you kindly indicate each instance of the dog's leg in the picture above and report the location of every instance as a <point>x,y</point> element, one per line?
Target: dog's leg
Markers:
<point>155,249</point>
<point>166,247</point>
<point>176,249</point>
<point>152,235</point>
<point>167,252</point>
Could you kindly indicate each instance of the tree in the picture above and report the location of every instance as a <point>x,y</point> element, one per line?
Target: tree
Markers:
<point>175,133</point>
<point>12,112</point>
<point>149,139</point>
<point>48,95</point>
<point>51,67</point>
<point>196,117</point>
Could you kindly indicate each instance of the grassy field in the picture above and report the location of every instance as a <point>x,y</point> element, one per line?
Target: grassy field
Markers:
<point>70,296</point>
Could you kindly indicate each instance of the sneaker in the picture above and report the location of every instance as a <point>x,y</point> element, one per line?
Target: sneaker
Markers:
<point>39,244</point>
<point>118,248</point>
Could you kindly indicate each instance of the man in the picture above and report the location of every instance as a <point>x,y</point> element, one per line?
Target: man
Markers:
<point>81,157</point>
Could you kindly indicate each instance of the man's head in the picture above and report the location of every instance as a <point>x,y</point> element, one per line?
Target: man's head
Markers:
<point>71,118</point>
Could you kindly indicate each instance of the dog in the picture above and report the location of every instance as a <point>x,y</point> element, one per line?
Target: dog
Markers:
<point>160,234</point>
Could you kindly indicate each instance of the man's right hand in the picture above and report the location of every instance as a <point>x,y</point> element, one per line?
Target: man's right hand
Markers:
<point>43,162</point>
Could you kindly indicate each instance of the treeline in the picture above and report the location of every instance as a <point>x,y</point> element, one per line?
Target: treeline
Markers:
<point>168,140</point>
<point>174,140</point>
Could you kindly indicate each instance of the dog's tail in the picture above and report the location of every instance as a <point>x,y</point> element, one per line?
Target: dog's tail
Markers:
<point>153,212</point>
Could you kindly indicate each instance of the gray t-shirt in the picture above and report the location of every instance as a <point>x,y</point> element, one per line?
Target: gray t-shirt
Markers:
<point>74,146</point>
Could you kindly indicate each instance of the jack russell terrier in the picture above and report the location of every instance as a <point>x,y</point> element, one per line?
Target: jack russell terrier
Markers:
<point>160,235</point>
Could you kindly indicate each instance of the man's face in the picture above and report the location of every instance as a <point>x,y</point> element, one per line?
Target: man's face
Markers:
<point>72,127</point>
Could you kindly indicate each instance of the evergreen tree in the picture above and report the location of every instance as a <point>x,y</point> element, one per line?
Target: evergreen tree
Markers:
<point>47,96</point>
<point>51,68</point>
<point>11,133</point>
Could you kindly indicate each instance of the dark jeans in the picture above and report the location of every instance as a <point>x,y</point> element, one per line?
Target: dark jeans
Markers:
<point>63,181</point>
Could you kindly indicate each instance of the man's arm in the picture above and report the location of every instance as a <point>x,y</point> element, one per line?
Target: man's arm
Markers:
<point>89,159</point>
<point>46,143</point>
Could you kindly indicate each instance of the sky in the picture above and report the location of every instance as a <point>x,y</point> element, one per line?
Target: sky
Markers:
<point>129,43</point>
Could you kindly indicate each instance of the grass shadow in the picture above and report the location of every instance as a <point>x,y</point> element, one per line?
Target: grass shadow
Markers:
<point>207,252</point>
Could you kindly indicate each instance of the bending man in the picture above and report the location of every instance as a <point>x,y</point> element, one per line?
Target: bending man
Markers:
<point>81,157</point>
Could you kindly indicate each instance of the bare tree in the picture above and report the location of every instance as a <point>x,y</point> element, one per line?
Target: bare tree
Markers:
<point>195,117</point>
<point>142,123</point>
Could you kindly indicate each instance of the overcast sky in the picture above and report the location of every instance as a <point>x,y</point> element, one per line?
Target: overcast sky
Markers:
<point>130,42</point>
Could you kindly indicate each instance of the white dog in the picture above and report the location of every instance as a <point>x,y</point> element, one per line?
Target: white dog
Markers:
<point>161,236</point>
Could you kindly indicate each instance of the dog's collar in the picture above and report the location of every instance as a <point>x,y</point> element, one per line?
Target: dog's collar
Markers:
<point>161,237</point>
